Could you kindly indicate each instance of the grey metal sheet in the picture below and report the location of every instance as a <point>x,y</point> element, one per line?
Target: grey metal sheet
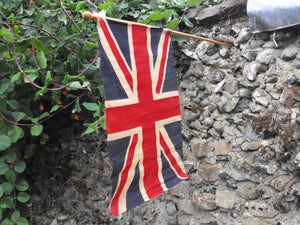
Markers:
<point>266,15</point>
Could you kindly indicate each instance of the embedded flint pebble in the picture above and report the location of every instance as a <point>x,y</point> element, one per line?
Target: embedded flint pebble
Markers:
<point>217,76</point>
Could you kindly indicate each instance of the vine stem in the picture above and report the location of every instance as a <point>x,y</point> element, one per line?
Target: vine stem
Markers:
<point>36,85</point>
<point>30,25</point>
<point>52,36</point>
<point>92,4</point>
<point>70,18</point>
<point>184,12</point>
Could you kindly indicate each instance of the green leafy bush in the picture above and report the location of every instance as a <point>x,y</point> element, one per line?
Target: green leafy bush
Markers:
<point>49,63</point>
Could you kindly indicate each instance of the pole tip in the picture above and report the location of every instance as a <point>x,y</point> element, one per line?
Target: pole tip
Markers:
<point>87,15</point>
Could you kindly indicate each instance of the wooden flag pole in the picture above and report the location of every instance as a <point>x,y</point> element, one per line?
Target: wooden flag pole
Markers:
<point>89,16</point>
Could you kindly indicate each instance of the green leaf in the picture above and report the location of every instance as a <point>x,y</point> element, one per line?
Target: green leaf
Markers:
<point>7,222</point>
<point>91,44</point>
<point>41,92</point>
<point>47,26</point>
<point>6,55</point>
<point>32,75</point>
<point>194,2</point>
<point>45,88</point>
<point>88,131</point>
<point>18,116</point>
<point>11,156</point>
<point>110,9</point>
<point>124,5</point>
<point>105,6</point>
<point>42,59</point>
<point>19,166</point>
<point>39,18</point>
<point>3,167</point>
<point>102,122</point>
<point>15,133</point>
<point>22,221</point>
<point>5,142</point>
<point>44,115</point>
<point>54,108</point>
<point>157,16</point>
<point>10,176</point>
<point>7,187</point>
<point>92,127</point>
<point>38,44</point>
<point>4,88</point>
<point>77,106</point>
<point>173,24</point>
<point>32,71</point>
<point>44,139</point>
<point>15,215</point>
<point>77,85</point>
<point>16,77</point>
<point>187,22</point>
<point>62,17</point>
<point>1,212</point>
<point>91,106</point>
<point>13,104</point>
<point>36,130</point>
<point>3,123</point>
<point>23,197</point>
<point>1,191</point>
<point>168,13</point>
<point>7,34</point>
<point>80,5</point>
<point>22,185</point>
<point>7,203</point>
<point>30,150</point>
<point>3,106</point>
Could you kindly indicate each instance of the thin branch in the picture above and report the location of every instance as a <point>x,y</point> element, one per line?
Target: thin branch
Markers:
<point>3,15</point>
<point>30,25</point>
<point>36,85</point>
<point>70,18</point>
<point>40,29</point>
<point>183,14</point>
<point>92,4</point>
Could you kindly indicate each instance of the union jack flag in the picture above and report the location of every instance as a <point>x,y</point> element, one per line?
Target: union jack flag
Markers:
<point>142,112</point>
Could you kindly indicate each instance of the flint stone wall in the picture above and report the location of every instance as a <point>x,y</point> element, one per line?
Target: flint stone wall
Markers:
<point>241,131</point>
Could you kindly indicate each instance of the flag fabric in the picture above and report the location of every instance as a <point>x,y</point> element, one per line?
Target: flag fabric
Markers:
<point>142,111</point>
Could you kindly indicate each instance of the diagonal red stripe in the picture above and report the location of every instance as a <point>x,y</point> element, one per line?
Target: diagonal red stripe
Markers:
<point>163,63</point>
<point>124,176</point>
<point>173,161</point>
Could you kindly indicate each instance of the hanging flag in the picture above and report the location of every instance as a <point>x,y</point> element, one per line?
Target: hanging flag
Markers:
<point>142,111</point>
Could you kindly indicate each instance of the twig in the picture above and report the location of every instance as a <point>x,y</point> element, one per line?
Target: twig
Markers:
<point>184,11</point>
<point>92,4</point>
<point>40,29</point>
<point>30,25</point>
<point>3,15</point>
<point>70,18</point>
<point>36,85</point>
<point>34,56</point>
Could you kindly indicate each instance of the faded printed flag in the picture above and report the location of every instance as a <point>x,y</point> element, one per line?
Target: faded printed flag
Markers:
<point>142,111</point>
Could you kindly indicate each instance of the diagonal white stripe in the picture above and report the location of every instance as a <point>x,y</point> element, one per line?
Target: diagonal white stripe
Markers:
<point>104,42</point>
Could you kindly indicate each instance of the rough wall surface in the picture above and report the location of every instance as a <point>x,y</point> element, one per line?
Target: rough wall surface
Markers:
<point>241,131</point>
